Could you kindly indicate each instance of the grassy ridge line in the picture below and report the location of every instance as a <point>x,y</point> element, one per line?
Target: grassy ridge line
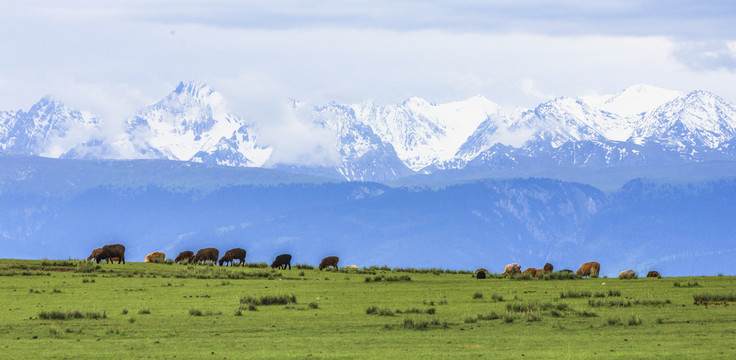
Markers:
<point>150,313</point>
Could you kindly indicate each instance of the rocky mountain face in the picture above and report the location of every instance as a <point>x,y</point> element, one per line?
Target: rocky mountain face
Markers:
<point>639,126</point>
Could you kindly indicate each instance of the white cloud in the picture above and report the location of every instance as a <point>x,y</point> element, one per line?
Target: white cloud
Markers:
<point>707,55</point>
<point>115,58</point>
<point>295,139</point>
<point>529,87</point>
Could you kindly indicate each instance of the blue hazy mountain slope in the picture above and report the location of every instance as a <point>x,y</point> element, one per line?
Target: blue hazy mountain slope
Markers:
<point>684,229</point>
<point>62,176</point>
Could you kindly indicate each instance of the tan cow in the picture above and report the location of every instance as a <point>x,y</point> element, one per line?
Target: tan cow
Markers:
<point>512,269</point>
<point>589,269</point>
<point>531,272</point>
<point>155,257</point>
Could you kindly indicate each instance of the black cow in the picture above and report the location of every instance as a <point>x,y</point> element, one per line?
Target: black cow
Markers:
<point>282,261</point>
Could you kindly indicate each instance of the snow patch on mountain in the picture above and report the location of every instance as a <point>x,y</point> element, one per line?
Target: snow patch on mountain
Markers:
<point>697,119</point>
<point>423,133</point>
<point>637,126</point>
<point>49,128</point>
<point>633,100</point>
<point>193,123</point>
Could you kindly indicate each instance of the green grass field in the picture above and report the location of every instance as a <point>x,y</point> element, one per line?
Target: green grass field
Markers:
<point>71,309</point>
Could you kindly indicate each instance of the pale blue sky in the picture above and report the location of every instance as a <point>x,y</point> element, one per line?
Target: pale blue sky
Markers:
<point>115,58</point>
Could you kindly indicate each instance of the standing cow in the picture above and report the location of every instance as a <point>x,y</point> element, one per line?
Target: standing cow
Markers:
<point>589,269</point>
<point>282,261</point>
<point>329,261</point>
<point>481,273</point>
<point>206,254</point>
<point>627,274</point>
<point>531,272</point>
<point>512,269</point>
<point>111,251</point>
<point>654,273</point>
<point>187,256</point>
<point>155,256</point>
<point>231,255</point>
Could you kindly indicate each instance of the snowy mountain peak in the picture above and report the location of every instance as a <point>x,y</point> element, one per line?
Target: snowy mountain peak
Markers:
<point>193,89</point>
<point>641,124</point>
<point>416,103</point>
<point>193,123</point>
<point>634,100</point>
<point>699,118</point>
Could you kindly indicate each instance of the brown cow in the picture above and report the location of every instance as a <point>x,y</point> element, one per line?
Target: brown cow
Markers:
<point>94,253</point>
<point>539,272</point>
<point>282,261</point>
<point>589,269</point>
<point>155,256</point>
<point>627,274</point>
<point>185,255</point>
<point>329,261</point>
<point>481,273</point>
<point>111,251</point>
<point>548,267</point>
<point>512,269</point>
<point>531,272</point>
<point>205,255</point>
<point>97,251</point>
<point>231,255</point>
<point>654,273</point>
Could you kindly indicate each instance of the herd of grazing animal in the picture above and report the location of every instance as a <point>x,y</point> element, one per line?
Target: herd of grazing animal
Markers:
<point>116,252</point>
<point>588,269</point>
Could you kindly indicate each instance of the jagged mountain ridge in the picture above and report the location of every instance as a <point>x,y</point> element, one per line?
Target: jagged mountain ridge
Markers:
<point>639,126</point>
<point>49,128</point>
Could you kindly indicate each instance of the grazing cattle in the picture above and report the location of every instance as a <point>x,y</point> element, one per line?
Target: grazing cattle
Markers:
<point>329,261</point>
<point>206,254</point>
<point>512,269</point>
<point>187,256</point>
<point>233,254</point>
<point>627,274</point>
<point>111,251</point>
<point>352,267</point>
<point>539,272</point>
<point>282,261</point>
<point>481,273</point>
<point>548,267</point>
<point>589,269</point>
<point>155,256</point>
<point>531,272</point>
<point>654,274</point>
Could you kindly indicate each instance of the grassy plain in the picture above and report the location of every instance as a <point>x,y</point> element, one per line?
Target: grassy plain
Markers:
<point>60,309</point>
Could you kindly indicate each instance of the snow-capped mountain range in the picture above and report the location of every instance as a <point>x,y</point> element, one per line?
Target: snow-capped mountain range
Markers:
<point>641,125</point>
